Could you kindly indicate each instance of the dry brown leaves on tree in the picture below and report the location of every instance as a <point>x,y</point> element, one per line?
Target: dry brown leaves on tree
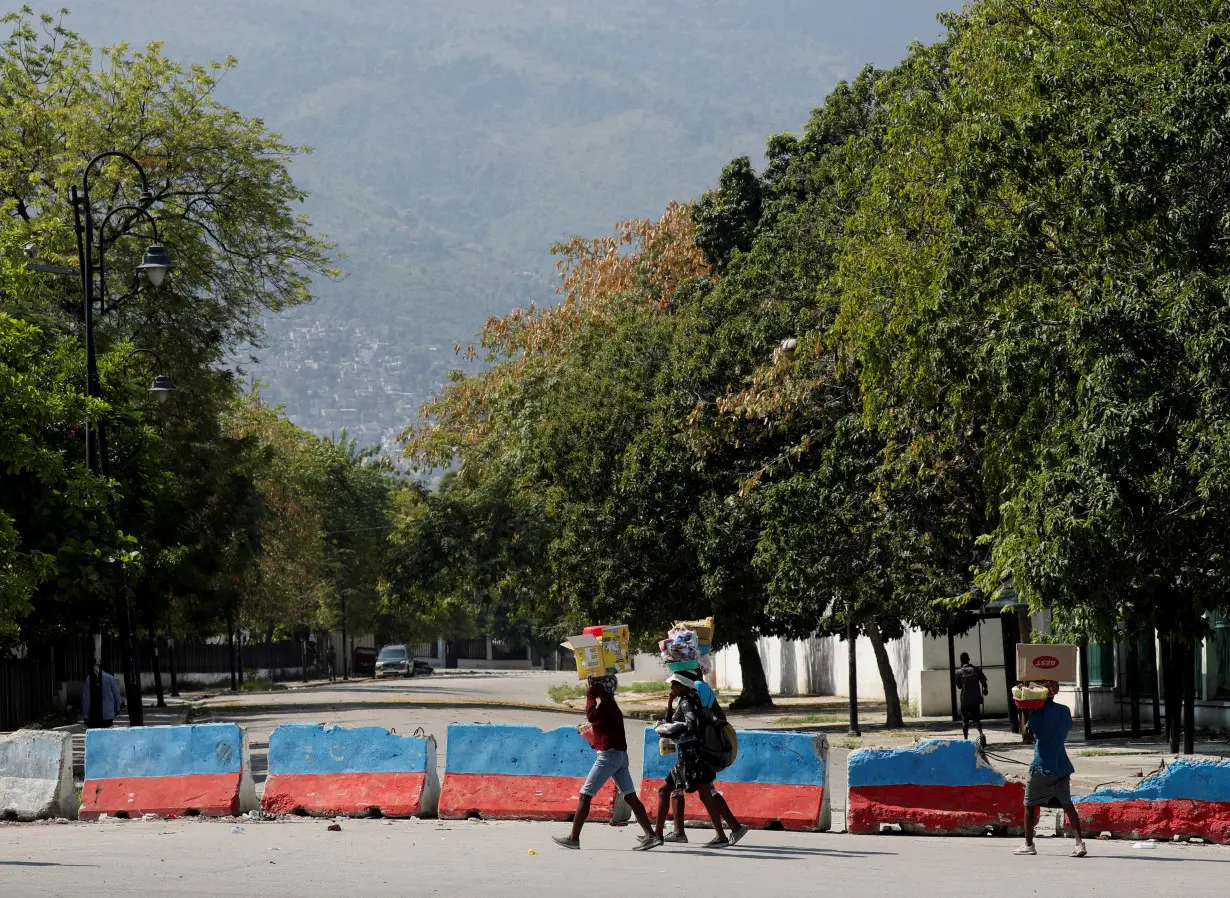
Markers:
<point>644,262</point>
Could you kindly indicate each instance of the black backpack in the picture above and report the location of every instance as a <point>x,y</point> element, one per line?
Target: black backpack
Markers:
<point>717,743</point>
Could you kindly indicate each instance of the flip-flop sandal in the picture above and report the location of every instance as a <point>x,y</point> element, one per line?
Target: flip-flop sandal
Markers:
<point>1026,849</point>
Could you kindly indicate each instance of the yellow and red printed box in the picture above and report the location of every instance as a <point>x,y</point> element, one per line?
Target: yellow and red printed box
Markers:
<point>601,648</point>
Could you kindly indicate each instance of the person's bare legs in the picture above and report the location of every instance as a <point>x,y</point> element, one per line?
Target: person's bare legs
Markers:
<point>582,815</point>
<point>678,811</point>
<point>724,810</point>
<point>664,804</point>
<point>638,811</point>
<point>1074,821</point>
<point>1031,819</point>
<point>707,799</point>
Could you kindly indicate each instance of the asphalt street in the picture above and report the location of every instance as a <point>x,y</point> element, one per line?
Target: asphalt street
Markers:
<point>375,857</point>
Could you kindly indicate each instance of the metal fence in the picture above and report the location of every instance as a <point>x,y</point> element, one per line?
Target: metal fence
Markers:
<point>26,690</point>
<point>210,658</point>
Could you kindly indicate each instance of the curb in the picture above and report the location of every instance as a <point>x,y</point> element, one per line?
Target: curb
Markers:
<point>308,707</point>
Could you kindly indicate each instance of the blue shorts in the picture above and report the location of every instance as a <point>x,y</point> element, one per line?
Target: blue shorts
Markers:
<point>609,765</point>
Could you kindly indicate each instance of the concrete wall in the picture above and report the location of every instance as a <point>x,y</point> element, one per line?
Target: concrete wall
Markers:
<point>817,666</point>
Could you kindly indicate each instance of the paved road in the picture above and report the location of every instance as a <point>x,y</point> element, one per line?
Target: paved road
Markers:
<point>372,857</point>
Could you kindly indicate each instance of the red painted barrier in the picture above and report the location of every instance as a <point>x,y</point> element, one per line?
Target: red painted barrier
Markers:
<point>211,795</point>
<point>315,769</point>
<point>395,794</point>
<point>182,770</point>
<point>940,787</point>
<point>494,796</point>
<point>935,809</point>
<point>757,805</point>
<point>1159,819</point>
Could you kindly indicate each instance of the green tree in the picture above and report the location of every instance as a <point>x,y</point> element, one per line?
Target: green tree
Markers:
<point>226,209</point>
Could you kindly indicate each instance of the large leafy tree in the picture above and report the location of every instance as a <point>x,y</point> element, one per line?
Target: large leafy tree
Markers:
<point>1038,277</point>
<point>226,209</point>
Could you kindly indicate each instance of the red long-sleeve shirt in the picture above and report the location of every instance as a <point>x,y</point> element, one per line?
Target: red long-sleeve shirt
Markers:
<point>607,723</point>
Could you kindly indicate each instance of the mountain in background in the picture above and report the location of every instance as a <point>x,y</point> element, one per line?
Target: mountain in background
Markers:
<point>457,140</point>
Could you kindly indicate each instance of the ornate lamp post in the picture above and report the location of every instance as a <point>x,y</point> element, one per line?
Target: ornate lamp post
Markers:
<point>92,246</point>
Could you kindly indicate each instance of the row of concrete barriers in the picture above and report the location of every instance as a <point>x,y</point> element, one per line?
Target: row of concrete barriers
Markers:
<point>780,780</point>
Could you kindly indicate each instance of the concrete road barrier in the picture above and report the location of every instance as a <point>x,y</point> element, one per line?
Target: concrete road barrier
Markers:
<point>1188,798</point>
<point>335,770</point>
<point>200,769</point>
<point>512,772</point>
<point>778,779</point>
<point>36,775</point>
<point>939,787</point>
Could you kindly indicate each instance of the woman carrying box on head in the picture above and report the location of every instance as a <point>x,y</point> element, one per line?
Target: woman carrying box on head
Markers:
<point>608,738</point>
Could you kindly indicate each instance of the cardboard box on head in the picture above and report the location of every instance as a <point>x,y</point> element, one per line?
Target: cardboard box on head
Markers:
<point>595,656</point>
<point>1045,662</point>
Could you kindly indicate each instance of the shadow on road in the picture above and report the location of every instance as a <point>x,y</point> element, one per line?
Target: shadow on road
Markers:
<point>41,864</point>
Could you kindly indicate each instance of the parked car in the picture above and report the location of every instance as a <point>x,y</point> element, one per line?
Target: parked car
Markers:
<point>394,661</point>
<point>423,669</point>
<point>363,664</point>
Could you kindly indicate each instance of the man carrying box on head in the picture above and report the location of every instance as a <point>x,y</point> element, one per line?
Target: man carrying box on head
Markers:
<point>1050,774</point>
<point>608,738</point>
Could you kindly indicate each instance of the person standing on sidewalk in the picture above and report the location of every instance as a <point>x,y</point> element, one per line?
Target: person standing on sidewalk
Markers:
<point>611,742</point>
<point>331,661</point>
<point>111,700</point>
<point>1050,774</point>
<point>969,679</point>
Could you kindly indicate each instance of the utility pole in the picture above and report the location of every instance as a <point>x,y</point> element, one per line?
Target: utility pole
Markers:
<point>851,645</point>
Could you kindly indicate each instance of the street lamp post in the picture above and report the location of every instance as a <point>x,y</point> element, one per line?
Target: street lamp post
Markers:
<point>155,266</point>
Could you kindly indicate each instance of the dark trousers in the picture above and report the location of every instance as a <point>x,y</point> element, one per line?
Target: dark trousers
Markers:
<point>971,715</point>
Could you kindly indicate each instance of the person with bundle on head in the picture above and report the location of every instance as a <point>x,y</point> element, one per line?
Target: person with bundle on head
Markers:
<point>698,729</point>
<point>608,738</point>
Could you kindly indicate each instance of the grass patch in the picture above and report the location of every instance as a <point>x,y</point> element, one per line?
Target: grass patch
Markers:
<point>851,743</point>
<point>564,691</point>
<point>647,686</point>
<point>1095,753</point>
<point>803,719</point>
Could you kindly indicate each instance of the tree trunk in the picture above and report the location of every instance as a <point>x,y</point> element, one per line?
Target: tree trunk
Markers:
<point>892,700</point>
<point>755,692</point>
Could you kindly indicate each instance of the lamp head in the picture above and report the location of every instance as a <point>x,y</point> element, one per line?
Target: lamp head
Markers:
<point>162,388</point>
<point>156,264</point>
